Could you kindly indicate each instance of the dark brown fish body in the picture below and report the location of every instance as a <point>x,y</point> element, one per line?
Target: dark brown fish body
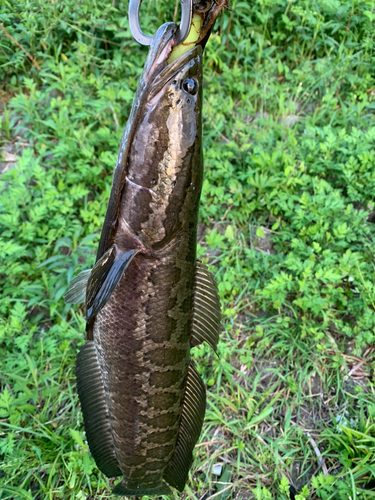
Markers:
<point>144,356</point>
<point>148,301</point>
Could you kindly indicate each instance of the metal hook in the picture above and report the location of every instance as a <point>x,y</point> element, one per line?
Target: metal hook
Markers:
<point>181,33</point>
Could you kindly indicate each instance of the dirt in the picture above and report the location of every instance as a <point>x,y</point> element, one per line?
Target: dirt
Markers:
<point>264,244</point>
<point>8,157</point>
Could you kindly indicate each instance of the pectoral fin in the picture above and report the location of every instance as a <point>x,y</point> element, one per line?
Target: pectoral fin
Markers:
<point>193,410</point>
<point>104,278</point>
<point>206,308</point>
<point>77,288</point>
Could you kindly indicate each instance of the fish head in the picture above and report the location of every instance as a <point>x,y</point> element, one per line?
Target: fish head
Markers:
<point>164,164</point>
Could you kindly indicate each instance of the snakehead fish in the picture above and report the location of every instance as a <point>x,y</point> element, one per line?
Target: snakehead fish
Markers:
<point>148,300</point>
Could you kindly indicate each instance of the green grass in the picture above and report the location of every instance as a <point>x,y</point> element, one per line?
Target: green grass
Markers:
<point>289,134</point>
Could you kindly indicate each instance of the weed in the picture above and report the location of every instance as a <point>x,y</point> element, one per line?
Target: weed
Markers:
<point>289,183</point>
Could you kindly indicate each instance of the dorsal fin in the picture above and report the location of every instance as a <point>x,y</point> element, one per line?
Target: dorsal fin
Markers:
<point>206,308</point>
<point>94,409</point>
<point>194,406</point>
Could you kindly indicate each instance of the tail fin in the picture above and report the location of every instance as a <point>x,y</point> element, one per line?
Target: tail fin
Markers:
<point>122,489</point>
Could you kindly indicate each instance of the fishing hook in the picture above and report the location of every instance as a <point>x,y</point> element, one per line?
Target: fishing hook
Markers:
<point>181,33</point>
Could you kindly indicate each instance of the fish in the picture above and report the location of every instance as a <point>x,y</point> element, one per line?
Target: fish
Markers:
<point>148,299</point>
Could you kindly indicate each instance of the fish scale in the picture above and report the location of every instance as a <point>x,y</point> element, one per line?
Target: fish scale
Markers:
<point>148,300</point>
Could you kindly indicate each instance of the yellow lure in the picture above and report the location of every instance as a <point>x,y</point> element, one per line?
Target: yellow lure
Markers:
<point>196,25</point>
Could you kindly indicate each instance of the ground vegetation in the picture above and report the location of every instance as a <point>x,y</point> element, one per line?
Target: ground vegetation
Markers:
<point>286,224</point>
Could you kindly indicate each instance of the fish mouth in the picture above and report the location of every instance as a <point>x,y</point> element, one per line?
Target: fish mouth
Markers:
<point>170,71</point>
<point>158,72</point>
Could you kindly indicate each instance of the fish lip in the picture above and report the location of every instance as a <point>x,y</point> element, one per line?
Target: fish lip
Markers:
<point>162,53</point>
<point>170,70</point>
<point>157,70</point>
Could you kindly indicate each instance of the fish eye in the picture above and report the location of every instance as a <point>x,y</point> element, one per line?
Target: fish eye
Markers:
<point>190,86</point>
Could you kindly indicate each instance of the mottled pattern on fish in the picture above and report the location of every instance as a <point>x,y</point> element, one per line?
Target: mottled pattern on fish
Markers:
<point>148,301</point>
<point>144,354</point>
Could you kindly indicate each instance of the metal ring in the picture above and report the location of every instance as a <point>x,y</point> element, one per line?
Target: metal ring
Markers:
<point>181,33</point>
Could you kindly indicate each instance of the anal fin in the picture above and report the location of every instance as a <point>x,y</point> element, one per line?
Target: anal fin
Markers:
<point>206,308</point>
<point>194,406</point>
<point>104,278</point>
<point>94,408</point>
